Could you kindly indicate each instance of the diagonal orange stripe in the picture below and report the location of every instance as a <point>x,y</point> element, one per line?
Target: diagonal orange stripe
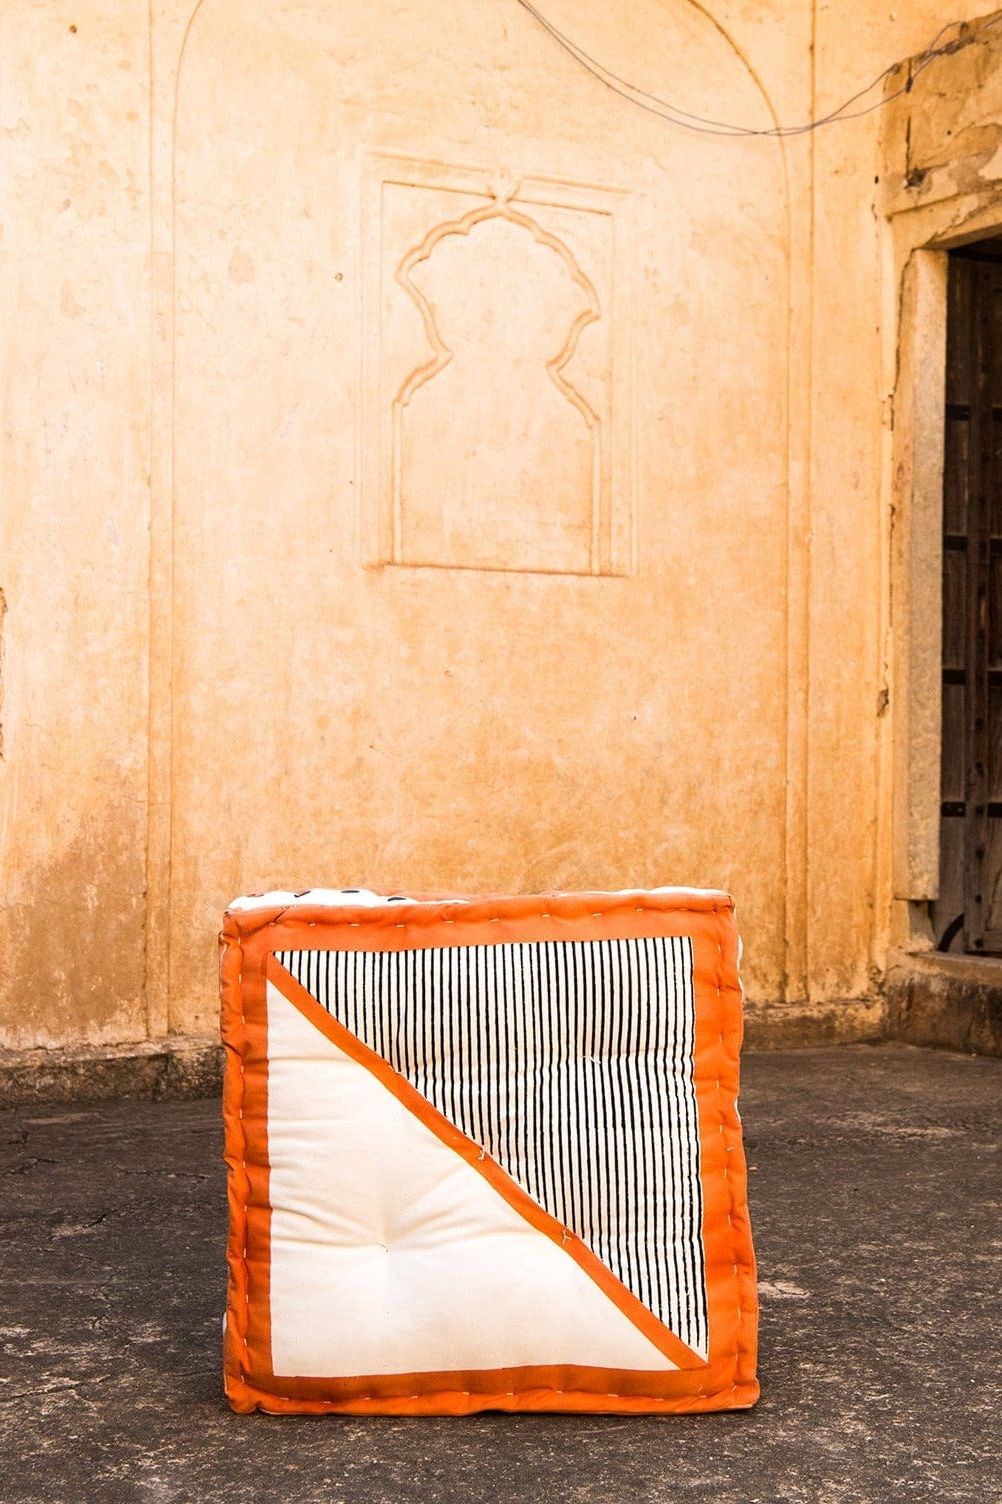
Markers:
<point>661,1336</point>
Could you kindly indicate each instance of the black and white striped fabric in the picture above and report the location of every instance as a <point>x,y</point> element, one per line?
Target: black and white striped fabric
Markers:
<point>571,1064</point>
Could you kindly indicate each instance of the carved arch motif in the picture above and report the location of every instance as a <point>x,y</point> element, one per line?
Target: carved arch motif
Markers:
<point>589,314</point>
<point>556,365</point>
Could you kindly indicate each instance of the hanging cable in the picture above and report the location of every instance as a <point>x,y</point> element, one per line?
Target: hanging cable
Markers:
<point>654,104</point>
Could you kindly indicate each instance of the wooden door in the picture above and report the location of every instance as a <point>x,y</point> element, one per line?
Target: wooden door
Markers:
<point>968,913</point>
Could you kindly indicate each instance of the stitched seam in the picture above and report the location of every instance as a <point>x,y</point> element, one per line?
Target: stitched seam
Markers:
<point>727,1169</point>
<point>243,1164</point>
<point>490,1394</point>
<point>431,913</point>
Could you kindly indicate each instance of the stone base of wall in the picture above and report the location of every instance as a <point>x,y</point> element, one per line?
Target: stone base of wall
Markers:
<point>949,1002</point>
<point>178,1068</point>
<point>186,1067</point>
<point>798,1026</point>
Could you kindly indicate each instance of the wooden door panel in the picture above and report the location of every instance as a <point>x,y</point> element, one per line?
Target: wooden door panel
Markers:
<point>968,912</point>
<point>955,476</point>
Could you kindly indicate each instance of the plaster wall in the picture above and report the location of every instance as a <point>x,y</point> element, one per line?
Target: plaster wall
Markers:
<point>74,519</point>
<point>252,637</point>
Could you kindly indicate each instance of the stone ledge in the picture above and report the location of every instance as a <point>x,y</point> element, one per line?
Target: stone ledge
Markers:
<point>798,1026</point>
<point>173,1067</point>
<point>184,1068</point>
<point>947,1002</point>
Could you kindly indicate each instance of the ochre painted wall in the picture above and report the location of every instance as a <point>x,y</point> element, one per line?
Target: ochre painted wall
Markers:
<point>74,519</point>
<point>424,469</point>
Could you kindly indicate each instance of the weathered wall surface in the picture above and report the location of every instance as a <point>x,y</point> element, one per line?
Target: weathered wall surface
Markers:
<point>424,469</point>
<point>479,630</point>
<point>74,520</point>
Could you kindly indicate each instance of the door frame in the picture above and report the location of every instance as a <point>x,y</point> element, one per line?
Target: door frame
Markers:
<point>928,212</point>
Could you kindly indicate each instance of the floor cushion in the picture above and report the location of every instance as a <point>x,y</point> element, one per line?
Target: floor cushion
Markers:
<point>485,1154</point>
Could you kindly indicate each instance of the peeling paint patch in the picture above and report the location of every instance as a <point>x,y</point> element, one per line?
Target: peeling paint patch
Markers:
<point>68,304</point>
<point>241,267</point>
<point>992,169</point>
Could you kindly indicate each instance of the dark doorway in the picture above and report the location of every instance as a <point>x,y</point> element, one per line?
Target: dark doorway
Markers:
<point>968,913</point>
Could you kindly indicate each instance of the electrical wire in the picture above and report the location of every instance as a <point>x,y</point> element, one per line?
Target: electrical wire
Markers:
<point>654,104</point>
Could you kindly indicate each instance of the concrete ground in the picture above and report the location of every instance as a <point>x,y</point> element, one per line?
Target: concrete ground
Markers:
<point>876,1184</point>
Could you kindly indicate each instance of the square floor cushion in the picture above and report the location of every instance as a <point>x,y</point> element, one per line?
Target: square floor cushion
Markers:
<point>485,1154</point>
